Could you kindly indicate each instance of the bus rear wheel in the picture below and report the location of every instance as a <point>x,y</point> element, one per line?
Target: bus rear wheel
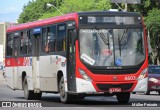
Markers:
<point>64,96</point>
<point>123,97</point>
<point>147,92</point>
<point>159,92</point>
<point>29,94</point>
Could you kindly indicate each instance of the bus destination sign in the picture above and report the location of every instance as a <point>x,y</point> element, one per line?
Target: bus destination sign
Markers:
<point>117,20</point>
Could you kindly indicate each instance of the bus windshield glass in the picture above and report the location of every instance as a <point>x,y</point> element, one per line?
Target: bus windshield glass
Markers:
<point>112,47</point>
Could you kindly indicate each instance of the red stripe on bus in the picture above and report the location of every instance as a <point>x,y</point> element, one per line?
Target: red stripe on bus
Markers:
<point>22,61</point>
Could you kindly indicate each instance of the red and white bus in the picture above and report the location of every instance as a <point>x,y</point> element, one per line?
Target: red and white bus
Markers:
<point>79,54</point>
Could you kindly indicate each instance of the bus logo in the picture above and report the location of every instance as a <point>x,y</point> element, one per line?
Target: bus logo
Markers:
<point>27,61</point>
<point>114,78</point>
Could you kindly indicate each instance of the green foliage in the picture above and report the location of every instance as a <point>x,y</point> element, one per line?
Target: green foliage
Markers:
<point>38,9</point>
<point>144,7</point>
<point>35,9</point>
<point>152,21</point>
<point>50,14</point>
<point>84,5</point>
<point>69,6</point>
<point>146,3</point>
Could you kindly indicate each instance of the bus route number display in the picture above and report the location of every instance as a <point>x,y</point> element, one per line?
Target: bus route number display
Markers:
<point>116,20</point>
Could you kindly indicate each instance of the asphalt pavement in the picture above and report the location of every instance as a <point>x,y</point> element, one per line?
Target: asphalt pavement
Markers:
<point>50,101</point>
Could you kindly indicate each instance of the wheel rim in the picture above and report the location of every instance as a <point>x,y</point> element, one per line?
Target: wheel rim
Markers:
<point>62,88</point>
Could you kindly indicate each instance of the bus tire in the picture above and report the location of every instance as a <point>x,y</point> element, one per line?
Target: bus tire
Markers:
<point>133,92</point>
<point>123,97</point>
<point>159,92</point>
<point>37,96</point>
<point>147,92</point>
<point>28,94</point>
<point>64,96</point>
<point>79,97</point>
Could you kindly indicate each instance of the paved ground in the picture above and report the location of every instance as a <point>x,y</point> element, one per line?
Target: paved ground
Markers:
<point>89,103</point>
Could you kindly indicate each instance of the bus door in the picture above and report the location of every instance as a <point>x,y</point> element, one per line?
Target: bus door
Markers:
<point>16,43</point>
<point>35,60</point>
<point>36,45</point>
<point>71,76</point>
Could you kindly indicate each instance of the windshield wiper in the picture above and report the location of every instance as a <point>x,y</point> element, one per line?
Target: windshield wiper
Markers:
<point>122,39</point>
<point>105,40</point>
<point>119,43</point>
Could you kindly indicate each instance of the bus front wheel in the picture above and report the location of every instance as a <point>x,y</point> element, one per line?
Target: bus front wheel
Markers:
<point>64,96</point>
<point>123,97</point>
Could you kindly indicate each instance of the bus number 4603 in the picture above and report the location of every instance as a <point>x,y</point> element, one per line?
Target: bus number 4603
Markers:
<point>130,78</point>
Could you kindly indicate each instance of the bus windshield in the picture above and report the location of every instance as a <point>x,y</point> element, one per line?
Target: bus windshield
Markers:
<point>112,47</point>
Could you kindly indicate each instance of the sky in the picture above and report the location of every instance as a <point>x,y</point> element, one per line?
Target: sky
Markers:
<point>11,9</point>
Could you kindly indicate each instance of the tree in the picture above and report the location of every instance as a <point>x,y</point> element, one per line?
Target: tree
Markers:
<point>38,9</point>
<point>144,7</point>
<point>35,9</point>
<point>148,8</point>
<point>69,6</point>
<point>152,22</point>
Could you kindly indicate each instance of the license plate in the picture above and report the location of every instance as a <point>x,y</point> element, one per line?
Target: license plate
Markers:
<point>115,90</point>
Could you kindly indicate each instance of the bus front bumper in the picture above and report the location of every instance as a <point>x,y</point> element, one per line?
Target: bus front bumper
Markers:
<point>84,86</point>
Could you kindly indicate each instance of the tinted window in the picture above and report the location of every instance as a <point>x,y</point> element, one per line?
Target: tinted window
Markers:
<point>26,44</point>
<point>9,44</point>
<point>61,37</point>
<point>48,39</point>
<point>44,38</point>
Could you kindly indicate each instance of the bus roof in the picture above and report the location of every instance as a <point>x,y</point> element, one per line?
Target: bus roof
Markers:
<point>48,21</point>
<point>109,13</point>
<point>66,17</point>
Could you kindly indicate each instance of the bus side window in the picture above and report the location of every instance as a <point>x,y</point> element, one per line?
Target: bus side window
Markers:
<point>25,43</point>
<point>49,39</point>
<point>61,37</point>
<point>24,40</point>
<point>44,42</point>
<point>29,42</point>
<point>9,44</point>
<point>52,38</point>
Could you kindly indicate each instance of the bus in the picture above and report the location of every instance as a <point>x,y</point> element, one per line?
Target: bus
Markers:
<point>79,54</point>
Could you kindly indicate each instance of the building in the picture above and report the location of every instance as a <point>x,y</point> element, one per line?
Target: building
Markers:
<point>3,28</point>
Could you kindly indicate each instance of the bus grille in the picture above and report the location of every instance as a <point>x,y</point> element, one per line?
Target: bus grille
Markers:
<point>110,72</point>
<point>105,87</point>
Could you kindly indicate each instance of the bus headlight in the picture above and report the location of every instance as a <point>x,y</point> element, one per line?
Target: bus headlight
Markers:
<point>143,74</point>
<point>84,75</point>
